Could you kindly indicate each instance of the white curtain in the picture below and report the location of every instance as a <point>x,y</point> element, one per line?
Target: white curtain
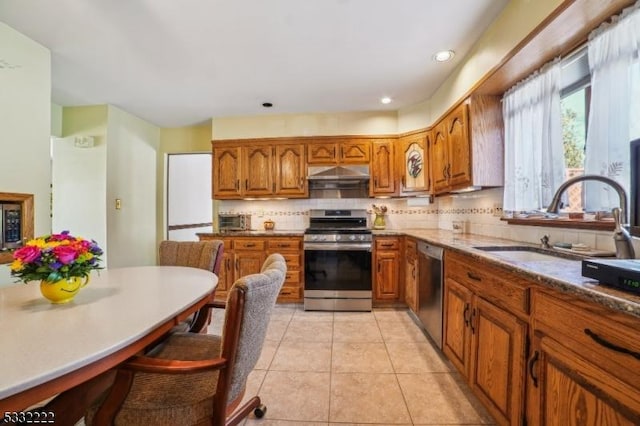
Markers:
<point>534,156</point>
<point>614,117</point>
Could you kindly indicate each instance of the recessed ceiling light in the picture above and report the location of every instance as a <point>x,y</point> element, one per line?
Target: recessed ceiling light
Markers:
<point>385,100</point>
<point>267,104</point>
<point>444,55</point>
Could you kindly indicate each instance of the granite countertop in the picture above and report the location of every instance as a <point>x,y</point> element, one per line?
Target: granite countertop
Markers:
<point>563,274</point>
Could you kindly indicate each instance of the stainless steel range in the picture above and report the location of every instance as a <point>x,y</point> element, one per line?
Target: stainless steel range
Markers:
<point>337,261</point>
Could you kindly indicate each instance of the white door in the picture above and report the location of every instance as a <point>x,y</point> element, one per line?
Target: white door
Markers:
<point>189,204</point>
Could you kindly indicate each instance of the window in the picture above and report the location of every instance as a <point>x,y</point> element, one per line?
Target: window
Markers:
<point>574,105</point>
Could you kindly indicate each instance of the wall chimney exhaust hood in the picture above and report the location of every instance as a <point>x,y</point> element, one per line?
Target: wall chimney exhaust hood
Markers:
<point>338,181</point>
<point>338,173</point>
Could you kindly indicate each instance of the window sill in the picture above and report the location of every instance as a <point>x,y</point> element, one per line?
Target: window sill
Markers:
<point>601,225</point>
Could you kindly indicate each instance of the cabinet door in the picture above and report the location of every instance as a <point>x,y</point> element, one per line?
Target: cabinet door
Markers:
<point>354,152</point>
<point>226,276</point>
<point>560,391</point>
<point>498,345</point>
<point>226,173</point>
<point>248,262</point>
<point>290,171</point>
<point>457,314</point>
<point>322,153</point>
<point>258,170</point>
<point>382,169</point>
<point>459,169</point>
<point>387,274</point>
<point>414,170</point>
<point>410,282</point>
<point>440,159</point>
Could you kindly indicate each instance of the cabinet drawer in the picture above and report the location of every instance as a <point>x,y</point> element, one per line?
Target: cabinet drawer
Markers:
<point>292,277</point>
<point>292,260</point>
<point>387,244</point>
<point>288,292</point>
<point>591,331</point>
<point>501,287</point>
<point>275,245</point>
<point>248,244</point>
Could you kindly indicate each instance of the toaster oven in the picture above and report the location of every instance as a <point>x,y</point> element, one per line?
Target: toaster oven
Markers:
<point>234,222</point>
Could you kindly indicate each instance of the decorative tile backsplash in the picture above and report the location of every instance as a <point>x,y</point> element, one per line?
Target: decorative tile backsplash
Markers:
<point>479,212</point>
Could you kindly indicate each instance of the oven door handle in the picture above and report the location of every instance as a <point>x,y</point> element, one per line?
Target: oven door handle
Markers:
<point>336,247</point>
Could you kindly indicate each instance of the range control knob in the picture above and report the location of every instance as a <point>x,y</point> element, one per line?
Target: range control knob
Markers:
<point>352,237</point>
<point>338,237</point>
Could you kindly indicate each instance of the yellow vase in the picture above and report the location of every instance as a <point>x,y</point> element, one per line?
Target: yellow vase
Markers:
<point>379,222</point>
<point>62,291</point>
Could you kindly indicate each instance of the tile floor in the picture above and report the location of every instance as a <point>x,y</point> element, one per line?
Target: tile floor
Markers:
<point>326,368</point>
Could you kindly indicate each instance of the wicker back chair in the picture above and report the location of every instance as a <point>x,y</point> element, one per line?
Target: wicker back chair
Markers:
<point>196,379</point>
<point>196,254</point>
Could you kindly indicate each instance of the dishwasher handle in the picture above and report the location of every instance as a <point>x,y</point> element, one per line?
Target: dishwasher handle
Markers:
<point>430,251</point>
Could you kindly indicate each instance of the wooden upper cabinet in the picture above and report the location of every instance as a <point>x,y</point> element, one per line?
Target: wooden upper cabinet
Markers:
<point>258,170</point>
<point>458,143</point>
<point>355,152</point>
<point>382,168</point>
<point>413,164</point>
<point>322,153</point>
<point>226,172</point>
<point>439,158</point>
<point>291,170</point>
<point>339,151</point>
<point>467,146</point>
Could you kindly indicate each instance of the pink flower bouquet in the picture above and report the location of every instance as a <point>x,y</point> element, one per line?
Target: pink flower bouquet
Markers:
<point>55,257</point>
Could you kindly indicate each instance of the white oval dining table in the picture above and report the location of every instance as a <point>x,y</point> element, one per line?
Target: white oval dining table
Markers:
<point>47,349</point>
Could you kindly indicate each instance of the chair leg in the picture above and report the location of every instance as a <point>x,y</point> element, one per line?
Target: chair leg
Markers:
<point>242,412</point>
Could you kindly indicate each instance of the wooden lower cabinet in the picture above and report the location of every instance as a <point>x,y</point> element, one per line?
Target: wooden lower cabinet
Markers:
<point>411,274</point>
<point>387,268</point>
<point>485,342</point>
<point>584,366</point>
<point>245,256</point>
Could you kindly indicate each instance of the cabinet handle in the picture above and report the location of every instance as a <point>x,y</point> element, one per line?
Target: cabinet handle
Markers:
<point>474,277</point>
<point>413,272</point>
<point>227,265</point>
<point>404,182</point>
<point>237,184</point>
<point>246,184</point>
<point>599,340</point>
<point>531,367</point>
<point>464,314</point>
<point>237,265</point>
<point>472,319</point>
<point>301,182</point>
<point>250,245</point>
<point>375,182</point>
<point>379,263</point>
<point>333,152</point>
<point>273,186</point>
<point>282,245</point>
<point>342,152</point>
<point>386,245</point>
<point>449,170</point>
<point>444,171</point>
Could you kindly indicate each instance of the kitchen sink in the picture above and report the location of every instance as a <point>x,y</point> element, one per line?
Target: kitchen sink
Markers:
<point>524,253</point>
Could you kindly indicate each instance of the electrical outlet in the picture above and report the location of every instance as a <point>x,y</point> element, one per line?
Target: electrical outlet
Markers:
<point>497,210</point>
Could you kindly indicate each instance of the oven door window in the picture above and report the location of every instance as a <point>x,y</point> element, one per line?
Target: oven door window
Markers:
<point>337,270</point>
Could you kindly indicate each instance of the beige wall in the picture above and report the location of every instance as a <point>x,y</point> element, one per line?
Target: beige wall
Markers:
<point>132,146</point>
<point>265,126</point>
<point>516,21</point>
<point>25,124</point>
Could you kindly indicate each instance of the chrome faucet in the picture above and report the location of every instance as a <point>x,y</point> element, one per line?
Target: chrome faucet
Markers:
<point>545,242</point>
<point>624,247</point>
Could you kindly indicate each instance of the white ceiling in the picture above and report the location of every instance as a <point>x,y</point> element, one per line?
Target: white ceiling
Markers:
<point>179,63</point>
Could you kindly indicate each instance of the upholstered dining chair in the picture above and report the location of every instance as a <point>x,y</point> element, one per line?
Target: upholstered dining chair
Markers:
<point>196,254</point>
<point>199,379</point>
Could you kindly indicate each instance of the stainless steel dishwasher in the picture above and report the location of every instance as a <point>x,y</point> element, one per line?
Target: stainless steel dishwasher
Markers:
<point>430,290</point>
